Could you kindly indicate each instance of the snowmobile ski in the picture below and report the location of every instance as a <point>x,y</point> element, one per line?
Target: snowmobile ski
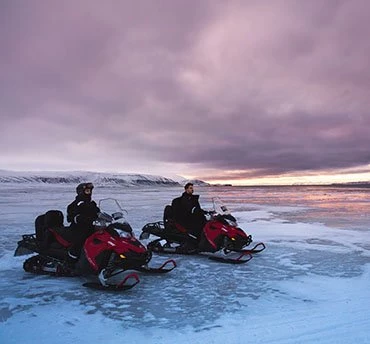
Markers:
<point>159,270</point>
<point>122,286</point>
<point>253,250</point>
<point>238,260</point>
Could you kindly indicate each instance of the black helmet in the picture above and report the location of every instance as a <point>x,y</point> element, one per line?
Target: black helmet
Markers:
<point>80,189</point>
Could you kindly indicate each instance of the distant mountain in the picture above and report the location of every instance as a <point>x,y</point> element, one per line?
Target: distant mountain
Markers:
<point>222,184</point>
<point>76,177</point>
<point>196,182</point>
<point>365,184</point>
<point>122,179</point>
<point>182,181</point>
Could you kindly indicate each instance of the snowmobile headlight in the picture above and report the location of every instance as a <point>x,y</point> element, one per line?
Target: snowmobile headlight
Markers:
<point>122,256</point>
<point>233,239</point>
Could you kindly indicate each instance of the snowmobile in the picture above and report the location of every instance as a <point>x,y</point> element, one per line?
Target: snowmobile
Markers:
<point>110,250</point>
<point>221,238</point>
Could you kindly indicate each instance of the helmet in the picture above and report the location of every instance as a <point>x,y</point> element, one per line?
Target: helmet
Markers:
<point>80,189</point>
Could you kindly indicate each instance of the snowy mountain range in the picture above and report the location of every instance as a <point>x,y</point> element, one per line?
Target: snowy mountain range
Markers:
<point>75,177</point>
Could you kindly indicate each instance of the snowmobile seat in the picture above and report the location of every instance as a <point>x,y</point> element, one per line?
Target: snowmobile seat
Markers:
<point>168,219</point>
<point>40,227</point>
<point>170,226</point>
<point>54,219</point>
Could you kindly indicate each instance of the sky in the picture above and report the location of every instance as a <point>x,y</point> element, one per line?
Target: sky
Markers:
<point>241,91</point>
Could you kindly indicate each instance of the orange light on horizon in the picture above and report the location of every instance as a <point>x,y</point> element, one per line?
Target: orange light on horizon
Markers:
<point>295,179</point>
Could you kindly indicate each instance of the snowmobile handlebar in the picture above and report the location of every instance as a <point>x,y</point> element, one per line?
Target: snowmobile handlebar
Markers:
<point>105,217</point>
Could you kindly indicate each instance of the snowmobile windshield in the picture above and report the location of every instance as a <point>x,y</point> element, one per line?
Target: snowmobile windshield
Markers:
<point>110,211</point>
<point>219,207</point>
<point>112,207</point>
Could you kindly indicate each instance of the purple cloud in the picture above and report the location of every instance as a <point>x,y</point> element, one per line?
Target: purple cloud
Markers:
<point>264,88</point>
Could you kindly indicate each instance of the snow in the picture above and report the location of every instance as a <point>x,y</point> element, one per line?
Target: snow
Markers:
<point>59,177</point>
<point>311,284</point>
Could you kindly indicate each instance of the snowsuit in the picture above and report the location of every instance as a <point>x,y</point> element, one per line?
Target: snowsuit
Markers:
<point>188,213</point>
<point>82,212</point>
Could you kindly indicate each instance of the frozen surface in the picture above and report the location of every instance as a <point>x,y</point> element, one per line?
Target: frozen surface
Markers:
<point>310,285</point>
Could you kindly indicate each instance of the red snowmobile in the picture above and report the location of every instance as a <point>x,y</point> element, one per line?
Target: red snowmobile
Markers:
<point>221,238</point>
<point>109,251</point>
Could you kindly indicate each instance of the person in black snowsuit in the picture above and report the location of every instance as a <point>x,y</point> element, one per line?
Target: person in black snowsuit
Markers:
<point>188,213</point>
<point>81,213</point>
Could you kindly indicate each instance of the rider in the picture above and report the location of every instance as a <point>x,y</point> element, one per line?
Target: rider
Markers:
<point>188,213</point>
<point>81,213</point>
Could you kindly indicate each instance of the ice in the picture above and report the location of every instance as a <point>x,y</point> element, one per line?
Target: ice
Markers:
<point>310,284</point>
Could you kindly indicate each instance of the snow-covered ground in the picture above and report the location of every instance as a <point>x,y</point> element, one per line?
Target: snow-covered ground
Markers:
<point>311,284</point>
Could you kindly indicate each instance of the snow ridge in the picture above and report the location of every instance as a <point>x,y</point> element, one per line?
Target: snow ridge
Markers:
<point>106,179</point>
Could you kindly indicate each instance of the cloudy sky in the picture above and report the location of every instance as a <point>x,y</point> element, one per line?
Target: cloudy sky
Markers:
<point>244,91</point>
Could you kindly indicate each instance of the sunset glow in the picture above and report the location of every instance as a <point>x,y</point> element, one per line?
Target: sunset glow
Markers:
<point>298,180</point>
